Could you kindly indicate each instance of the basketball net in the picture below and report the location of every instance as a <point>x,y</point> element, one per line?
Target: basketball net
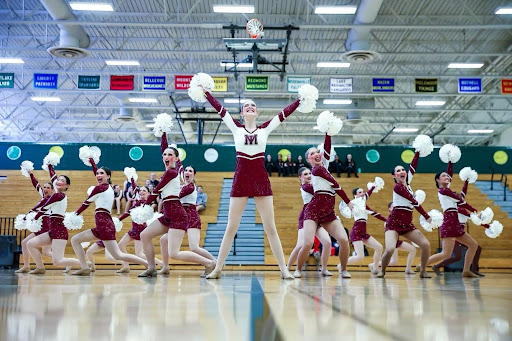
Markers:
<point>255,28</point>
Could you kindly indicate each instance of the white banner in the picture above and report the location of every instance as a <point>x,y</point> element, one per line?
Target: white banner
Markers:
<point>341,85</point>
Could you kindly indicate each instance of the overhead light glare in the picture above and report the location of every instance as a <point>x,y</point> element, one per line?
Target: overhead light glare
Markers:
<point>504,10</point>
<point>143,100</point>
<point>430,103</point>
<point>335,9</point>
<point>332,64</point>
<point>405,130</point>
<point>231,64</point>
<point>91,6</point>
<point>337,101</point>
<point>45,99</point>
<point>480,131</point>
<point>150,125</point>
<point>11,61</point>
<point>233,9</point>
<point>465,65</point>
<point>122,62</point>
<point>234,100</point>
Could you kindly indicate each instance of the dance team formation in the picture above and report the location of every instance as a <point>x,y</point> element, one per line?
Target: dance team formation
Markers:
<point>49,220</point>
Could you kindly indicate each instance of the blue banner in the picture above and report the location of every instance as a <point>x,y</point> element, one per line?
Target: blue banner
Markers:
<point>153,83</point>
<point>45,81</point>
<point>470,85</point>
<point>383,85</point>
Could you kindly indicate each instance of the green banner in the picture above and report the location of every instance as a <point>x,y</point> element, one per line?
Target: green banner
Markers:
<point>6,80</point>
<point>256,83</point>
<point>89,82</point>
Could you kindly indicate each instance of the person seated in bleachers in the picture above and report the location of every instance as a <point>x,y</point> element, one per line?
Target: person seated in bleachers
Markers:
<point>290,167</point>
<point>118,196</point>
<point>269,164</point>
<point>201,200</point>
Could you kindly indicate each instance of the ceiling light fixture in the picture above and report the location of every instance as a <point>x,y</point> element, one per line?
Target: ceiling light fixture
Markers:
<point>233,9</point>
<point>465,65</point>
<point>45,99</point>
<point>122,62</point>
<point>150,125</point>
<point>8,60</point>
<point>231,64</point>
<point>142,100</point>
<point>405,130</point>
<point>335,9</point>
<point>422,103</point>
<point>332,64</point>
<point>91,6</point>
<point>480,131</point>
<point>234,100</point>
<point>504,10</point>
<point>337,101</point>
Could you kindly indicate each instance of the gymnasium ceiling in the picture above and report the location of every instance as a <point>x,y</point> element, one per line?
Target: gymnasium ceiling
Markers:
<point>413,38</point>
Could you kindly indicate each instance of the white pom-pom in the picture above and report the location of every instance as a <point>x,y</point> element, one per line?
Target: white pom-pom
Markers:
<point>85,244</point>
<point>85,153</point>
<point>199,82</point>
<point>494,230</point>
<point>473,176</point>
<point>437,220</point>
<point>72,221</point>
<point>90,189</point>
<point>328,123</point>
<point>345,210</point>
<point>51,159</point>
<point>26,168</point>
<point>163,124</point>
<point>141,214</point>
<point>423,144</point>
<point>131,172</point>
<point>420,196</point>
<point>378,183</point>
<point>358,206</point>
<point>449,152</point>
<point>19,222</point>
<point>32,224</point>
<point>308,95</point>
<point>196,94</point>
<point>464,173</point>
<point>156,215</point>
<point>475,219</point>
<point>118,224</point>
<point>487,215</point>
<point>332,154</point>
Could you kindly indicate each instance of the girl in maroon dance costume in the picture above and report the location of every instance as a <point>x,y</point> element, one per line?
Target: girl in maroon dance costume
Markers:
<point>46,192</point>
<point>57,236</point>
<point>92,249</point>
<point>251,178</point>
<point>174,221</point>
<point>103,197</point>
<point>399,222</point>
<point>451,229</point>
<point>308,193</point>
<point>188,196</point>
<point>321,208</point>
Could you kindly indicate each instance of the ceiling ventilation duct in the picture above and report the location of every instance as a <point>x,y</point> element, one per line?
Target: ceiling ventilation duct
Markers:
<point>358,40</point>
<point>354,116</point>
<point>73,39</point>
<point>125,115</point>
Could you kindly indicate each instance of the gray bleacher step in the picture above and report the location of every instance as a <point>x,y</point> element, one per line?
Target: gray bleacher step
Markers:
<point>255,262</point>
<point>258,249</point>
<point>216,242</point>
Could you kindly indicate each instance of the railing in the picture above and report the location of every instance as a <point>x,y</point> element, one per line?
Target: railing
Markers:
<point>503,181</point>
<point>492,177</point>
<point>7,228</point>
<point>234,244</point>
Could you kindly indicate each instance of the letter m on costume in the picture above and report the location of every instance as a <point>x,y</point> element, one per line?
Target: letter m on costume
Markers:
<point>251,139</point>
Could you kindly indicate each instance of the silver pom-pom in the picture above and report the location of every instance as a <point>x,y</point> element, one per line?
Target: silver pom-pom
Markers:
<point>85,244</point>
<point>487,215</point>
<point>118,224</point>
<point>26,168</point>
<point>72,221</point>
<point>86,152</point>
<point>141,214</point>
<point>423,144</point>
<point>51,159</point>
<point>420,196</point>
<point>332,154</point>
<point>327,123</point>
<point>345,210</point>
<point>19,222</point>
<point>156,215</point>
<point>130,173</point>
<point>437,220</point>
<point>308,95</point>
<point>358,206</point>
<point>163,124</point>
<point>475,219</point>
<point>449,152</point>
<point>494,230</point>
<point>32,224</point>
<point>199,82</point>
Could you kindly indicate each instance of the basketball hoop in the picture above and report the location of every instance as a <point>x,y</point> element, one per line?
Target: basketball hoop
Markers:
<point>255,28</point>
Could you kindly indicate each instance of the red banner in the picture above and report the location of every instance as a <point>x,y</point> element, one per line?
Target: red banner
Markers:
<point>182,82</point>
<point>506,86</point>
<point>121,82</point>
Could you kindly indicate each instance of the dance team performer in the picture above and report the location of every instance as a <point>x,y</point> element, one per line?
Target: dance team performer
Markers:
<point>103,197</point>
<point>174,221</point>
<point>399,222</point>
<point>320,210</point>
<point>46,192</point>
<point>250,178</point>
<point>188,196</point>
<point>307,193</point>
<point>57,236</point>
<point>92,249</point>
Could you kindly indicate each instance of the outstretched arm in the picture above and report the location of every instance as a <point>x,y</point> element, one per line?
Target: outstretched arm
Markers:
<point>93,165</point>
<point>324,173</point>
<point>412,167</point>
<point>276,121</point>
<point>49,203</point>
<point>166,178</point>
<point>402,191</point>
<point>375,214</point>
<point>163,143</point>
<point>94,194</point>
<point>36,184</point>
<point>369,193</point>
<point>223,113</point>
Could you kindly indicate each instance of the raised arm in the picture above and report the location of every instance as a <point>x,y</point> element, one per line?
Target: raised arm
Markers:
<point>40,204</point>
<point>166,178</point>
<point>163,142</point>
<point>53,176</point>
<point>369,193</point>
<point>449,169</point>
<point>464,189</point>
<point>94,194</point>
<point>402,191</point>
<point>324,173</point>
<point>327,147</point>
<point>223,113</point>
<point>375,214</point>
<point>412,167</point>
<point>276,121</point>
<point>36,184</point>
<point>93,165</point>
<point>135,189</point>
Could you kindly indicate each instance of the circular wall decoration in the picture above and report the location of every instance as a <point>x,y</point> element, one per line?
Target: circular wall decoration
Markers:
<point>136,153</point>
<point>407,156</point>
<point>372,156</point>
<point>500,157</point>
<point>14,152</point>
<point>183,154</point>
<point>58,150</point>
<point>284,154</point>
<point>211,155</point>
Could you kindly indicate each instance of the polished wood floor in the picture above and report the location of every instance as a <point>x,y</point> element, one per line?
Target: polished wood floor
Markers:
<point>246,305</point>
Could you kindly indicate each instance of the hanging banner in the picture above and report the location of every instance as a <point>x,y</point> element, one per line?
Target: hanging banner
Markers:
<point>340,85</point>
<point>426,84</point>
<point>45,81</point>
<point>256,83</point>
<point>383,85</point>
<point>470,85</point>
<point>506,86</point>
<point>294,83</point>
<point>88,82</point>
<point>182,82</point>
<point>121,82</point>
<point>153,83</point>
<point>6,80</point>
<point>221,84</point>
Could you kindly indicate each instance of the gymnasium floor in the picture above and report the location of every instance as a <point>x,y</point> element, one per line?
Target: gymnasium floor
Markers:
<point>246,305</point>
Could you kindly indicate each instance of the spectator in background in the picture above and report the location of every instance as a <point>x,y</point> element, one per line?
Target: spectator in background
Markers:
<point>152,179</point>
<point>148,182</point>
<point>280,165</point>
<point>202,198</point>
<point>118,195</point>
<point>350,166</point>
<point>290,167</point>
<point>336,166</point>
<point>126,186</point>
<point>130,198</point>
<point>300,162</point>
<point>269,164</point>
